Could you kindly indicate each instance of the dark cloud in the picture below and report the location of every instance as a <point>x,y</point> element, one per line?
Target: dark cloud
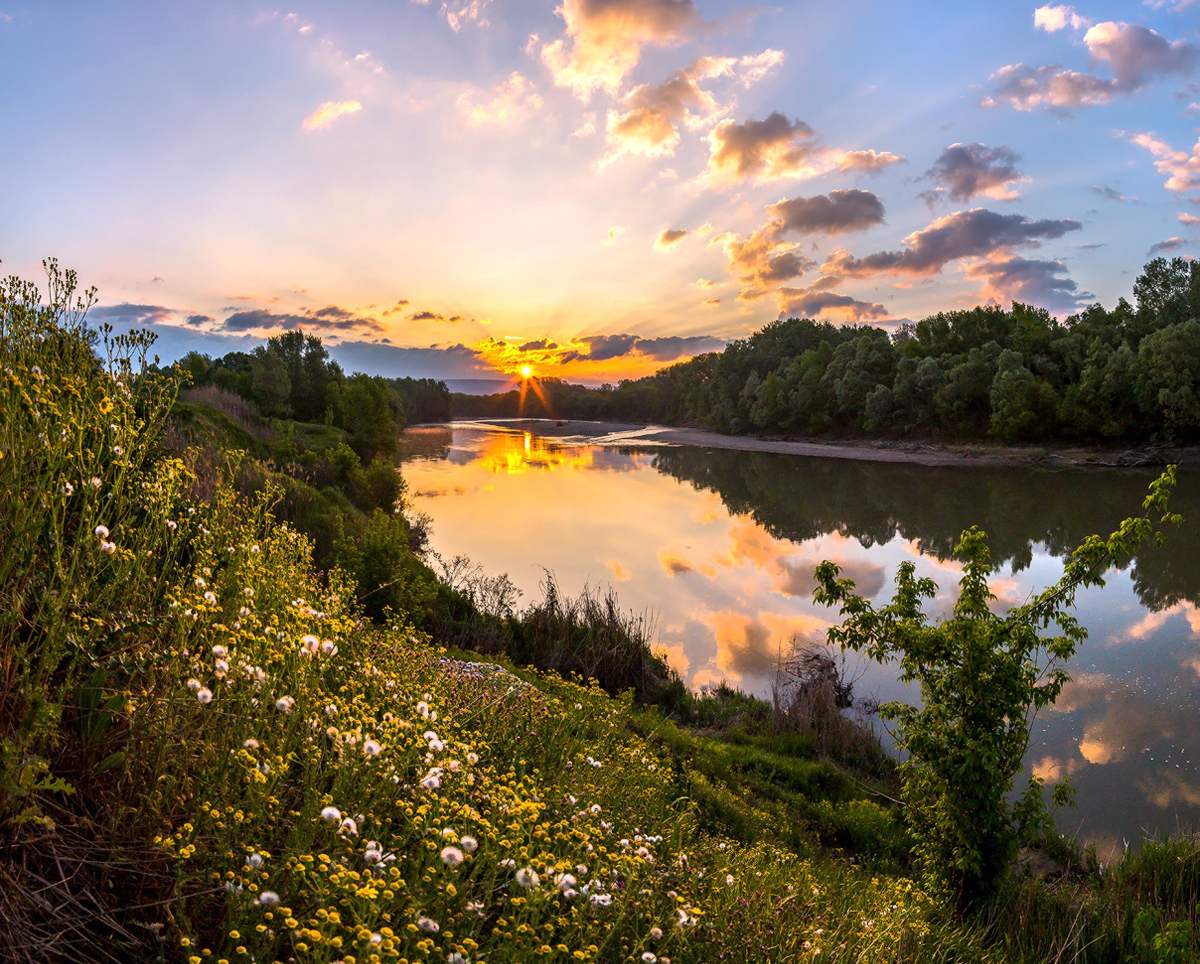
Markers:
<point>331,318</point>
<point>538,345</point>
<point>425,316</point>
<point>1112,194</point>
<point>198,321</point>
<point>963,171</point>
<point>1037,282</point>
<point>130,314</point>
<point>834,213</point>
<point>669,237</point>
<point>670,347</point>
<point>963,234</point>
<point>1170,244</point>
<point>817,301</point>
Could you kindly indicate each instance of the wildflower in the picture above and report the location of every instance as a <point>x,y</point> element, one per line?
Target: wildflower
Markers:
<point>309,644</point>
<point>455,958</point>
<point>349,827</point>
<point>101,532</point>
<point>469,844</point>
<point>284,704</point>
<point>268,898</point>
<point>254,549</point>
<point>219,651</point>
<point>649,957</point>
<point>472,758</point>
<point>68,489</point>
<point>373,853</point>
<point>428,925</point>
<point>566,882</point>
<point>729,880</point>
<point>328,648</point>
<point>423,710</point>
<point>108,548</point>
<point>204,696</point>
<point>527,877</point>
<point>172,524</point>
<point>601,900</point>
<point>372,748</point>
<point>656,933</point>
<point>433,779</point>
<point>254,861</point>
<point>210,597</point>
<point>331,710</point>
<point>452,856</point>
<point>376,938</point>
<point>251,744</point>
<point>94,482</point>
<point>193,685</point>
<point>331,815</point>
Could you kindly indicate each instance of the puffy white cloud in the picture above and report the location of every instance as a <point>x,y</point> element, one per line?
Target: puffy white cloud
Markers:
<point>1181,168</point>
<point>1055,17</point>
<point>328,112</point>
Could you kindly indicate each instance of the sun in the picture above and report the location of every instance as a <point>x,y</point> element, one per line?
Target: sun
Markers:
<point>526,371</point>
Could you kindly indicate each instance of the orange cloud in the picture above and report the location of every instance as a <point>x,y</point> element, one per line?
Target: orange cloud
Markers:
<point>510,102</point>
<point>328,112</point>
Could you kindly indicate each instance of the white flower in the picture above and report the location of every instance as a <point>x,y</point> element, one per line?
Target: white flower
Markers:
<point>268,898</point>
<point>210,597</point>
<point>428,925</point>
<point>601,900</point>
<point>455,958</point>
<point>423,710</point>
<point>68,489</point>
<point>469,844</point>
<point>219,651</point>
<point>729,880</point>
<point>254,860</point>
<point>254,549</point>
<point>172,524</point>
<point>649,957</point>
<point>108,548</point>
<point>331,814</point>
<point>349,827</point>
<point>566,881</point>
<point>309,644</point>
<point>204,696</point>
<point>656,933</point>
<point>527,877</point>
<point>372,748</point>
<point>376,938</point>
<point>220,668</point>
<point>331,710</point>
<point>433,779</point>
<point>193,685</point>
<point>328,648</point>
<point>472,758</point>
<point>452,856</point>
<point>94,482</point>
<point>101,532</point>
<point>284,704</point>
<point>373,853</point>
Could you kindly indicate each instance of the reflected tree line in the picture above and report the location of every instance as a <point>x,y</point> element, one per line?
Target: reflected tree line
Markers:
<point>800,499</point>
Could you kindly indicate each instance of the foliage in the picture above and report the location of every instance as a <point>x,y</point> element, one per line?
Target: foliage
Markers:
<point>981,676</point>
<point>1123,375</point>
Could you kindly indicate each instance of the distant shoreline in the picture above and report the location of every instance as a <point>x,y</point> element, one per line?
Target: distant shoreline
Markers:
<point>579,431</point>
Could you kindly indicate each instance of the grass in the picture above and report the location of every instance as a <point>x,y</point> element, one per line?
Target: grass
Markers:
<point>209,753</point>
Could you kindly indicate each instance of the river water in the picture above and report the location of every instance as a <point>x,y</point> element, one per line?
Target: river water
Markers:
<point>720,546</point>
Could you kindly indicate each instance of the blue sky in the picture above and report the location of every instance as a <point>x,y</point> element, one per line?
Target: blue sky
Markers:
<point>596,189</point>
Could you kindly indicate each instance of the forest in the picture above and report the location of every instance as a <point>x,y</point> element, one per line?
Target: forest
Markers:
<point>1010,375</point>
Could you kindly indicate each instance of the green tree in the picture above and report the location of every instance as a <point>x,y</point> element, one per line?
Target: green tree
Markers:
<point>1023,405</point>
<point>1168,378</point>
<point>982,677</point>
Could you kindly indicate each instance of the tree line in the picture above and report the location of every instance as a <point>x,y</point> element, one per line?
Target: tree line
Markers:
<point>1130,373</point>
<point>293,377</point>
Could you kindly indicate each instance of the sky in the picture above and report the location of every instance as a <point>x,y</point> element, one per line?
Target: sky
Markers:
<point>595,188</point>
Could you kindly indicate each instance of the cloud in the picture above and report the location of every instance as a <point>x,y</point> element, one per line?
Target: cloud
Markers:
<point>668,238</point>
<point>762,150</point>
<point>614,233</point>
<point>198,321</point>
<point>1170,244</point>
<point>964,171</point>
<point>509,102</point>
<point>761,260</point>
<point>1134,54</point>
<point>670,347</point>
<point>1052,18</point>
<point>1112,194</point>
<point>374,358</point>
<point>619,572</point>
<point>130,314</point>
<point>963,234</point>
<point>674,564</point>
<point>330,319</point>
<point>664,348</point>
<point>649,125</point>
<point>1028,281</point>
<point>837,212</point>
<point>328,112</point>
<point>1191,220</point>
<point>603,40</point>
<point>866,162</point>
<point>1181,168</point>
<point>712,302</point>
<point>817,301</point>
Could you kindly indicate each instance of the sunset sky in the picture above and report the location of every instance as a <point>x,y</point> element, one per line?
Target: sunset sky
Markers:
<point>595,187</point>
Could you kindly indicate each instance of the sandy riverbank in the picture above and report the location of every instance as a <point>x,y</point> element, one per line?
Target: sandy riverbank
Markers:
<point>575,431</point>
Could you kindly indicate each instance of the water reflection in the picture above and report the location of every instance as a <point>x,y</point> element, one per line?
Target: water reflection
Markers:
<point>721,545</point>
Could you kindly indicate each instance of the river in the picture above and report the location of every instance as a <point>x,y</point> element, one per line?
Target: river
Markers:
<point>720,546</point>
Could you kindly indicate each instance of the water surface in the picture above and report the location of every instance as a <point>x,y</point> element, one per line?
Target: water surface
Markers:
<point>721,545</point>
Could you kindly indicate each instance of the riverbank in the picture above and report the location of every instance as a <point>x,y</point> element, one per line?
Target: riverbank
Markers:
<point>577,431</point>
